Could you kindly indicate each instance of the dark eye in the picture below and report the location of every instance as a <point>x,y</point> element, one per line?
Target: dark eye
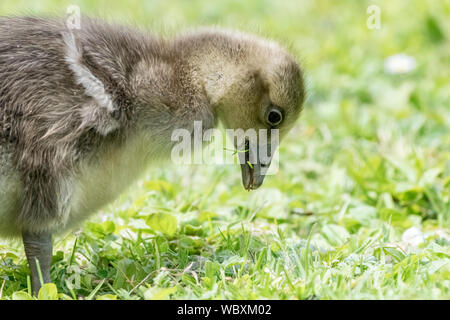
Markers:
<point>274,116</point>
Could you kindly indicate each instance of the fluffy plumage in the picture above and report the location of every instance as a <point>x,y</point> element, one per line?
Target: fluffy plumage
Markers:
<point>83,112</point>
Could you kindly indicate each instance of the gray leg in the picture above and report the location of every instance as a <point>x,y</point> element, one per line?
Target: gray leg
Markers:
<point>38,247</point>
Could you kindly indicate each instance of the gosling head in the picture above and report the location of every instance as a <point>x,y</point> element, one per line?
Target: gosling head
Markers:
<point>260,90</point>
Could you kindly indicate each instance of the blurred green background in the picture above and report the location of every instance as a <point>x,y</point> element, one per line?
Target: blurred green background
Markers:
<point>360,207</point>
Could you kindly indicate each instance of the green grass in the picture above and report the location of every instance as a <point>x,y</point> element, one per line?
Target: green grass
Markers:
<point>368,160</point>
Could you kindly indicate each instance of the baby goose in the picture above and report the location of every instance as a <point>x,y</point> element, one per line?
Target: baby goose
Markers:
<point>84,112</point>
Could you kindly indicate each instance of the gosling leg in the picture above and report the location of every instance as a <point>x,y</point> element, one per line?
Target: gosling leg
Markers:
<point>38,247</point>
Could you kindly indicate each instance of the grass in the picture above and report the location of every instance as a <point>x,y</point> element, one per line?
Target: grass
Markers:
<point>366,167</point>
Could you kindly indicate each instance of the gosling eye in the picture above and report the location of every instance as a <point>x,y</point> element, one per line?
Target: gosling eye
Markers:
<point>274,116</point>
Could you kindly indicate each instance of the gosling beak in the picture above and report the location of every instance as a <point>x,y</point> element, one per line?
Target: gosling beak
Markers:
<point>253,172</point>
<point>252,178</point>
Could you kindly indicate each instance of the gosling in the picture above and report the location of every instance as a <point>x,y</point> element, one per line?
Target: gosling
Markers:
<point>83,113</point>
